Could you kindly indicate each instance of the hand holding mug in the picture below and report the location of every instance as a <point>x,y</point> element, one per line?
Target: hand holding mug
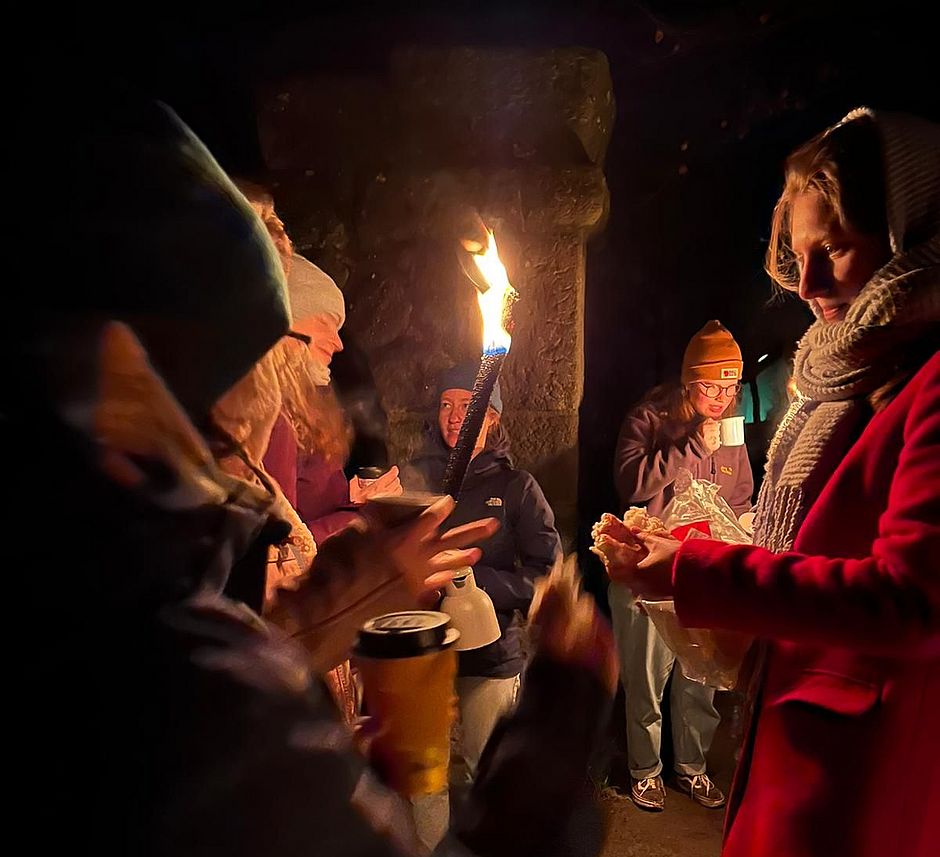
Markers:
<point>388,484</point>
<point>710,432</point>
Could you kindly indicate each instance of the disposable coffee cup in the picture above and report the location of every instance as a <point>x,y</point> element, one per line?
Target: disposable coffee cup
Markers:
<point>391,511</point>
<point>732,431</point>
<point>408,665</point>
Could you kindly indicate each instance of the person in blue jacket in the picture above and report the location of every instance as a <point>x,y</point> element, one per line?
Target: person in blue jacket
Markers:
<point>522,550</point>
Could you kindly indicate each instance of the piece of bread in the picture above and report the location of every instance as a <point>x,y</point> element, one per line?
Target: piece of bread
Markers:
<point>614,541</point>
<point>638,518</point>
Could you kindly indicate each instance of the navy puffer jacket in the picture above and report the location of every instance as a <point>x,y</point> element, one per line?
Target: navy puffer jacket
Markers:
<point>523,549</point>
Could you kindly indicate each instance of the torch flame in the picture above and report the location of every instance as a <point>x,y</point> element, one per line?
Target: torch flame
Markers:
<point>496,300</point>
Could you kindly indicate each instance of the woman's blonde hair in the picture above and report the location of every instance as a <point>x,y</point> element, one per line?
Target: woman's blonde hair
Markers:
<point>313,411</point>
<point>281,383</point>
<point>284,373</point>
<point>262,201</point>
<point>844,166</point>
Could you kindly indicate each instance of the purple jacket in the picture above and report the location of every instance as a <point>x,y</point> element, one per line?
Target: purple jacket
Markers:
<point>315,487</point>
<point>651,451</point>
<point>280,460</point>
<point>322,492</point>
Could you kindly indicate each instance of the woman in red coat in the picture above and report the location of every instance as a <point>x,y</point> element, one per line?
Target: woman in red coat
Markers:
<point>843,588</point>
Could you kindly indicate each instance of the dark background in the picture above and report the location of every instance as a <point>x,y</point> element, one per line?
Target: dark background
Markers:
<point>710,98</point>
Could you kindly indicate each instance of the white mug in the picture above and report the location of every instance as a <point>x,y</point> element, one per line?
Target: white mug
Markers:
<point>732,431</point>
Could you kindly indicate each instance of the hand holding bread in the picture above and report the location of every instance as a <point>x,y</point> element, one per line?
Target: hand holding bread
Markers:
<point>617,544</point>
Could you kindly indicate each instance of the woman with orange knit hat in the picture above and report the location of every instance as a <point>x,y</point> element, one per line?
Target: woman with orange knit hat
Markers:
<point>675,428</point>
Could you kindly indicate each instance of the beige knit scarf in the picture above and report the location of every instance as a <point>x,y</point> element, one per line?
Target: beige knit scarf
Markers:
<point>838,368</point>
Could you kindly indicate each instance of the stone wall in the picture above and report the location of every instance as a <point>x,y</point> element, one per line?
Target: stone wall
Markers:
<point>378,177</point>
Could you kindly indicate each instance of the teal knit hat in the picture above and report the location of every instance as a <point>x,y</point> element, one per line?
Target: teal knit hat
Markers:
<point>161,239</point>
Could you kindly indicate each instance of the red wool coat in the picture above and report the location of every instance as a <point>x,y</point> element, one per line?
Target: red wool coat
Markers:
<point>844,756</point>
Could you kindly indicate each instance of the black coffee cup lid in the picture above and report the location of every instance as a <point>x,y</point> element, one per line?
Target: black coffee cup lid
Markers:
<point>406,635</point>
<point>371,472</point>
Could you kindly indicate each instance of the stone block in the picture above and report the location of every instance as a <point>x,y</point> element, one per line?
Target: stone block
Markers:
<point>406,435</point>
<point>313,123</point>
<point>490,105</point>
<point>545,367</point>
<point>447,205</point>
<point>379,177</point>
<point>546,444</point>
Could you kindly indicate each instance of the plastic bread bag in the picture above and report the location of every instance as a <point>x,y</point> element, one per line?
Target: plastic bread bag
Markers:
<point>709,657</point>
<point>697,505</point>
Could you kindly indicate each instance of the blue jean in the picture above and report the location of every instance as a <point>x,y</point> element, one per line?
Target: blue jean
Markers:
<point>646,664</point>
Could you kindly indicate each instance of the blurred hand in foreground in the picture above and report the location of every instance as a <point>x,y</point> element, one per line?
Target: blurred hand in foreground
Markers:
<point>569,627</point>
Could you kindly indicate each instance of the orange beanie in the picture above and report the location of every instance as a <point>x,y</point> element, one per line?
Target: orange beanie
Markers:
<point>712,355</point>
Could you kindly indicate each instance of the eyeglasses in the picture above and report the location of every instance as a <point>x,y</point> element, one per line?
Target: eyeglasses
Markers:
<point>713,391</point>
<point>293,334</point>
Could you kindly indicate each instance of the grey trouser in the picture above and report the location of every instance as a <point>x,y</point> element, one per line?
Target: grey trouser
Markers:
<point>482,702</point>
<point>646,663</point>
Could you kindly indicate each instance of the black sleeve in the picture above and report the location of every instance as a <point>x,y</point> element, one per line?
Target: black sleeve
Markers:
<point>533,777</point>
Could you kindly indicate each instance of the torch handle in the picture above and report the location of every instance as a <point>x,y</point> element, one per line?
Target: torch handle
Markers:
<point>460,456</point>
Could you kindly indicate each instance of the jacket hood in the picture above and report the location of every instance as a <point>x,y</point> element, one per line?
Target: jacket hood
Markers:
<point>434,453</point>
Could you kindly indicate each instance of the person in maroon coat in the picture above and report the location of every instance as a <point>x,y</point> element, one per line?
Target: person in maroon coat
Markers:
<point>313,478</point>
<point>843,583</point>
<point>302,445</point>
<point>305,455</point>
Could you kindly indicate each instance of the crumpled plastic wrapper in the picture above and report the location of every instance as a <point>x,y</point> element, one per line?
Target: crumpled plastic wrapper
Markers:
<point>696,505</point>
<point>709,657</point>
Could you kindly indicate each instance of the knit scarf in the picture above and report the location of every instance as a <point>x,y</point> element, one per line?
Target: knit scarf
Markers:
<point>837,369</point>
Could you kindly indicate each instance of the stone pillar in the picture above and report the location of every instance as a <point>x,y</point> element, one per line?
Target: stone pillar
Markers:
<point>378,178</point>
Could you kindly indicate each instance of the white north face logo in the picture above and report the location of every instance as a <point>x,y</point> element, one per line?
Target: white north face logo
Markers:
<point>495,501</point>
<point>731,374</point>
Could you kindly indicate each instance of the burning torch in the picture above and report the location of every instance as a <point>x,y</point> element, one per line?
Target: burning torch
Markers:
<point>496,297</point>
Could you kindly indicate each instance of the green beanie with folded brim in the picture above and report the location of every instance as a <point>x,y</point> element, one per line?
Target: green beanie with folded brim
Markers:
<point>162,240</point>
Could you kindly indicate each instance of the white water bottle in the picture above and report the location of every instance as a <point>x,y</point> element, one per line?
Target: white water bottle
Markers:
<point>471,612</point>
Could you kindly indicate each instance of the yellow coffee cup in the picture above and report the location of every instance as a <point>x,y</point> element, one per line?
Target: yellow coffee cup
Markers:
<point>408,666</point>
